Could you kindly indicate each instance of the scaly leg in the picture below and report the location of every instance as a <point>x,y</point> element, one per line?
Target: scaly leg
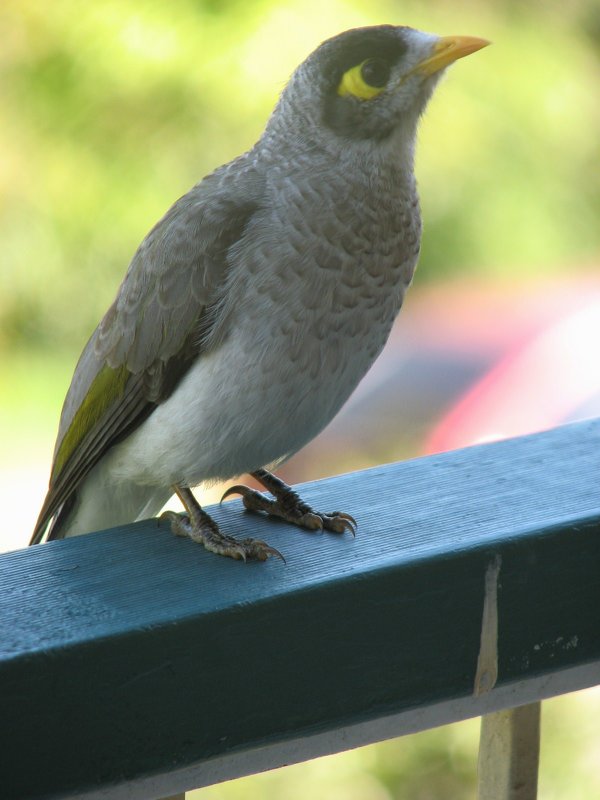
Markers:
<point>201,528</point>
<point>289,507</point>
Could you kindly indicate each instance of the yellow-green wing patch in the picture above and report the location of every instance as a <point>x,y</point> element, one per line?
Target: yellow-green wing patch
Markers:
<point>107,386</point>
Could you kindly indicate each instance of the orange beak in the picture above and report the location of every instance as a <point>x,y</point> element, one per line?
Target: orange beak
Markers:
<point>446,50</point>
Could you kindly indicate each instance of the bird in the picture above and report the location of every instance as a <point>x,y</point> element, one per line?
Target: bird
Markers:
<point>253,308</point>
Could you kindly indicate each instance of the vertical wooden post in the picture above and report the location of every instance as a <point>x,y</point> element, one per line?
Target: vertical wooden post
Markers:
<point>509,751</point>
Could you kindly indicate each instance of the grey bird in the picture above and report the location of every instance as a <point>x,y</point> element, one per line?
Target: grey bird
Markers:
<point>251,311</point>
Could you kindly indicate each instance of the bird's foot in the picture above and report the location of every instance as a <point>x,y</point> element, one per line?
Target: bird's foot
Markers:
<point>197,525</point>
<point>288,506</point>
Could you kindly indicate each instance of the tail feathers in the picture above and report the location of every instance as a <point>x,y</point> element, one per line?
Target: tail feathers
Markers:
<point>49,528</point>
<point>97,504</point>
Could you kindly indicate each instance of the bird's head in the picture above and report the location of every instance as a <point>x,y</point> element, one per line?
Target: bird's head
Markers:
<point>367,85</point>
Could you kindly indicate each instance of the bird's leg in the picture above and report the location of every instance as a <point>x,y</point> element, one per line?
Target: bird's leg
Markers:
<point>201,528</point>
<point>288,506</point>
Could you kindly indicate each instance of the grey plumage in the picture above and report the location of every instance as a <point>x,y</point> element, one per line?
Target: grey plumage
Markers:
<point>253,308</point>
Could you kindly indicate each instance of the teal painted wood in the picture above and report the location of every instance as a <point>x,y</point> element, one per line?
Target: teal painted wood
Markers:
<point>135,664</point>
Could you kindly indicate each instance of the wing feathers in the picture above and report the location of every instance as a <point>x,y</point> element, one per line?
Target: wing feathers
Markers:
<point>152,332</point>
<point>89,447</point>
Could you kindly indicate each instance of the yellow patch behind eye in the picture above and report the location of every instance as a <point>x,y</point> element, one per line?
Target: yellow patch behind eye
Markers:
<point>354,84</point>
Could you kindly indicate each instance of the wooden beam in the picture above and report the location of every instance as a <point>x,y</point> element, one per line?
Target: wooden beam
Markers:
<point>135,664</point>
<point>509,754</point>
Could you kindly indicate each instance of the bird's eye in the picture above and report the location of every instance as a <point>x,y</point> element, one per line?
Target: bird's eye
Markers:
<point>375,72</point>
<point>366,80</point>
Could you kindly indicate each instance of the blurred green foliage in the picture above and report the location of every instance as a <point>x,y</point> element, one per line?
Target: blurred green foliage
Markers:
<point>111,110</point>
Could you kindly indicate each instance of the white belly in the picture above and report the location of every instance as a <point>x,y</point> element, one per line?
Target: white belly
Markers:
<point>242,407</point>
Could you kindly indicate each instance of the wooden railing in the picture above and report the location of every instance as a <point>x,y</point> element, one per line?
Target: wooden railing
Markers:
<point>136,665</point>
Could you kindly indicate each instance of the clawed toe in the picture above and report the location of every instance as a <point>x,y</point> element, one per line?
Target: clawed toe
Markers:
<point>288,506</point>
<point>339,522</point>
<point>239,489</point>
<point>336,522</point>
<point>180,523</point>
<point>198,526</point>
<point>260,551</point>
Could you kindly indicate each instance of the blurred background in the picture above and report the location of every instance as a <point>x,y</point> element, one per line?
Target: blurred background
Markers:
<point>111,110</point>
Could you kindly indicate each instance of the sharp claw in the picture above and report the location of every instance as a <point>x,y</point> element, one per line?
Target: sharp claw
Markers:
<point>339,523</point>
<point>234,490</point>
<point>241,554</point>
<point>261,550</point>
<point>273,552</point>
<point>347,520</point>
<point>311,521</point>
<point>343,526</point>
<point>343,515</point>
